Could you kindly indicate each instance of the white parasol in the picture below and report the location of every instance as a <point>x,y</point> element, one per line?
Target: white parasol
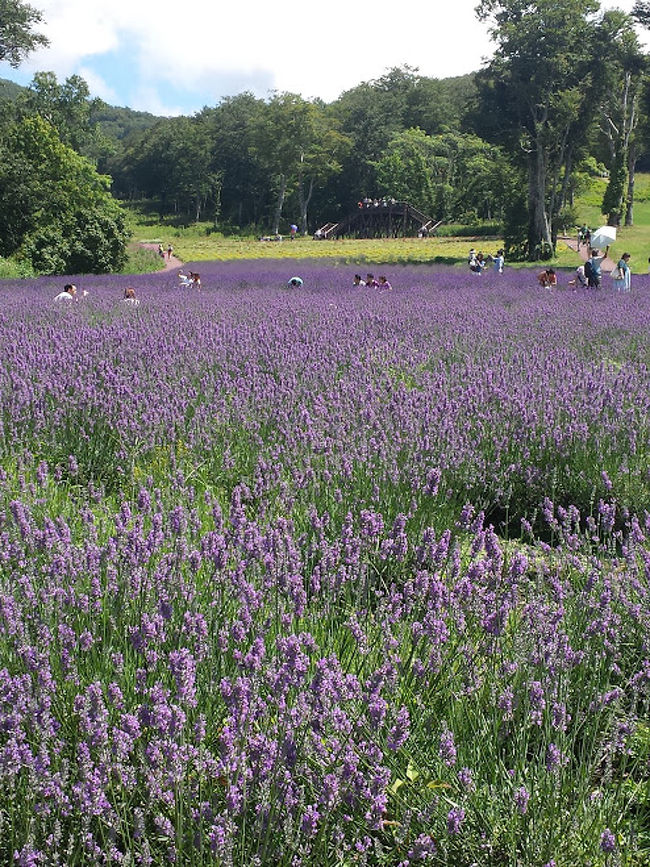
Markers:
<point>603,237</point>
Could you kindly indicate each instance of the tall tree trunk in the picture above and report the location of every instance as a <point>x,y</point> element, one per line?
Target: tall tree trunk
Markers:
<point>540,243</point>
<point>217,203</point>
<point>566,196</point>
<point>279,204</point>
<point>629,198</point>
<point>303,201</point>
<point>619,195</point>
<point>556,194</point>
<point>615,192</point>
<point>632,152</point>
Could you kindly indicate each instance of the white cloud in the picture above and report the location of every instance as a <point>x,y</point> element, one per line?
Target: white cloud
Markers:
<point>218,49</point>
<point>305,49</point>
<point>98,86</point>
<point>147,98</point>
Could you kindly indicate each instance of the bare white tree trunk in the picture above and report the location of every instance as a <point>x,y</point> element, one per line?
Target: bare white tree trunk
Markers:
<point>303,201</point>
<point>282,189</point>
<point>539,228</point>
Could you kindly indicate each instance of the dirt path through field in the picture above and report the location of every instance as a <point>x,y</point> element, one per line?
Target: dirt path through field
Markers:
<point>583,252</point>
<point>171,263</point>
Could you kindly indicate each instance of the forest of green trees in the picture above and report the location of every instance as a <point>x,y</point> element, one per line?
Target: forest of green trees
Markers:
<point>565,98</point>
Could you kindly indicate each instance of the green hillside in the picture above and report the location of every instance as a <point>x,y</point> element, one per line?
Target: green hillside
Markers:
<point>115,122</point>
<point>9,90</point>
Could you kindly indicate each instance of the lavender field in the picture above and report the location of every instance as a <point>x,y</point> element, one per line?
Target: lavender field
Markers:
<point>325,576</point>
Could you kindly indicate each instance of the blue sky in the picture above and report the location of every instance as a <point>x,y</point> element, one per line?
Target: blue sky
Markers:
<point>174,58</point>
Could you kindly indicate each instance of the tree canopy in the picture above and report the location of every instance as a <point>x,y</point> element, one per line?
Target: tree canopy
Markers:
<point>541,68</point>
<point>17,36</point>
<point>56,212</point>
<point>68,107</point>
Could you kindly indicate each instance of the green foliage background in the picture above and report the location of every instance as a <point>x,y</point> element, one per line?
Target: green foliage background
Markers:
<point>56,212</point>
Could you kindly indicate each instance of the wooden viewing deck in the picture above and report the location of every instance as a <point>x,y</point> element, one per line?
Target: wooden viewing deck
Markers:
<point>381,220</point>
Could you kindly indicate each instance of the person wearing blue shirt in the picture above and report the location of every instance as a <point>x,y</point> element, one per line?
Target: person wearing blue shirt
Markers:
<point>594,274</point>
<point>622,274</point>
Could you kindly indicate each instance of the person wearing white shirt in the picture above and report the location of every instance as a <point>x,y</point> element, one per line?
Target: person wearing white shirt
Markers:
<point>69,294</point>
<point>580,278</point>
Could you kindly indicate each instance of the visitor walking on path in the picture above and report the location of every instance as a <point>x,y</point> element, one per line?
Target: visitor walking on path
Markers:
<point>170,262</point>
<point>583,252</point>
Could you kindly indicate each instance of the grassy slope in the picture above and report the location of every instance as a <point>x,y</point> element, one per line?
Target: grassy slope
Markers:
<point>633,239</point>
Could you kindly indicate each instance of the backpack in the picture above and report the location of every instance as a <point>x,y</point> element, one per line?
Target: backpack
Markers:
<point>589,269</point>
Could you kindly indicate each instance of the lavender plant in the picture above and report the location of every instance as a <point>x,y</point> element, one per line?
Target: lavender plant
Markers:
<point>334,577</point>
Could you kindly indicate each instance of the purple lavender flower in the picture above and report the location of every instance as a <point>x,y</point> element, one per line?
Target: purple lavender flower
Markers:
<point>455,819</point>
<point>607,841</point>
<point>559,716</point>
<point>447,748</point>
<point>310,820</point>
<point>28,857</point>
<point>421,848</point>
<point>554,757</point>
<point>399,733</point>
<point>521,798</point>
<point>505,703</point>
<point>183,668</point>
<point>432,482</point>
<point>537,702</point>
<point>466,779</point>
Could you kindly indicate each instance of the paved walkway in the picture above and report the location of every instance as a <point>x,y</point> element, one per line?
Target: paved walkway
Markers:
<point>170,263</point>
<point>583,252</point>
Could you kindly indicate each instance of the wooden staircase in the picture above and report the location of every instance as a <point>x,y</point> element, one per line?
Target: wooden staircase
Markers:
<point>385,220</point>
<point>325,231</point>
<point>430,227</point>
